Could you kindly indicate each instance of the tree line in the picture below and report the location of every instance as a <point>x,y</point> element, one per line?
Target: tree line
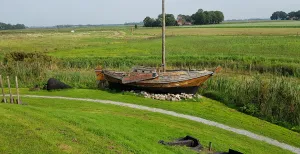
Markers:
<point>151,22</point>
<point>281,15</point>
<point>201,17</point>
<point>4,26</point>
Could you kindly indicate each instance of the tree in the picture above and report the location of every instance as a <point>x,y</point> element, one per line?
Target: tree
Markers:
<point>219,17</point>
<point>207,18</point>
<point>201,17</point>
<point>198,17</point>
<point>292,15</point>
<point>213,17</point>
<point>170,19</point>
<point>4,26</point>
<point>282,15</point>
<point>148,22</point>
<point>279,15</point>
<point>297,15</point>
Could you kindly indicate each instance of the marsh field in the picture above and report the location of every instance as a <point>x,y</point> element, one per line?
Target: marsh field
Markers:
<point>260,61</point>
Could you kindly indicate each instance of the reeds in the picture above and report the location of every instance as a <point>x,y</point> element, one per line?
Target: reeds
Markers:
<point>276,99</point>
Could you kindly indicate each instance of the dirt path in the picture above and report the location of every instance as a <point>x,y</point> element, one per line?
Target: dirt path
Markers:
<point>193,118</point>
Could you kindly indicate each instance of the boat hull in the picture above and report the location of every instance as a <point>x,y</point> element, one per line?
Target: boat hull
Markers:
<point>145,79</point>
<point>190,86</point>
<point>160,90</point>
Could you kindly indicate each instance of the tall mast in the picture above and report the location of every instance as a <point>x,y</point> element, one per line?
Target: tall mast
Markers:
<point>163,36</point>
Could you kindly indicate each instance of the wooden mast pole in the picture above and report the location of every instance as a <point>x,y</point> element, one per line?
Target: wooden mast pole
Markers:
<point>163,36</point>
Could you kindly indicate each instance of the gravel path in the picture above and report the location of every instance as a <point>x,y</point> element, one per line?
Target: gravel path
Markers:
<point>193,118</point>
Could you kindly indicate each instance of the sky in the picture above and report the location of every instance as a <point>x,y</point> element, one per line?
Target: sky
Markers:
<point>59,12</point>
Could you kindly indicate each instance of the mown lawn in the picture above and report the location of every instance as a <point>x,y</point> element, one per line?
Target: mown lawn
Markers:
<point>208,109</point>
<point>60,126</point>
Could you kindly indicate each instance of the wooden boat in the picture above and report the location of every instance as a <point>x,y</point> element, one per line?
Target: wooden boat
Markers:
<point>148,79</point>
<point>151,80</point>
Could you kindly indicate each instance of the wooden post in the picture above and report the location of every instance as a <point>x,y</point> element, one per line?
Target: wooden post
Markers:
<point>10,94</point>
<point>210,146</point>
<point>163,37</point>
<point>17,88</point>
<point>1,84</point>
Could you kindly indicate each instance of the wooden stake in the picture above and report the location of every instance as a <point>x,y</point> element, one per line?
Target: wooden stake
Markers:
<point>1,84</point>
<point>210,146</point>
<point>17,87</point>
<point>10,94</point>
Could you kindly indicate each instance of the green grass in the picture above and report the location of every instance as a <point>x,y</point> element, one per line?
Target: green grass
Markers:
<point>60,126</point>
<point>208,109</point>
<point>269,24</point>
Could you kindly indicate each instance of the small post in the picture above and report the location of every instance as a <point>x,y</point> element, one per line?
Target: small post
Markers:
<point>10,94</point>
<point>210,146</point>
<point>250,67</point>
<point>1,84</point>
<point>17,88</point>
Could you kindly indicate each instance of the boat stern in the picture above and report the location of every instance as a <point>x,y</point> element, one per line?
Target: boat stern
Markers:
<point>99,73</point>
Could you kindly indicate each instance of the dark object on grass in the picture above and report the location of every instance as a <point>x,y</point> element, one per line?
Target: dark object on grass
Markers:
<point>54,84</point>
<point>186,141</point>
<point>229,152</point>
<point>234,152</point>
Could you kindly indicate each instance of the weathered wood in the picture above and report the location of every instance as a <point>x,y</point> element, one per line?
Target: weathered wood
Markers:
<point>10,94</point>
<point>177,81</point>
<point>136,77</point>
<point>17,88</point>
<point>2,88</point>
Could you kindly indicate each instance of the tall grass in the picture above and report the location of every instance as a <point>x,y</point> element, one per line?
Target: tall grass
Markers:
<point>276,99</point>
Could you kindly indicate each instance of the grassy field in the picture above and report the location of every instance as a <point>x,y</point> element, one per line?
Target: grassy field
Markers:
<point>260,60</point>
<point>60,126</point>
<point>267,23</point>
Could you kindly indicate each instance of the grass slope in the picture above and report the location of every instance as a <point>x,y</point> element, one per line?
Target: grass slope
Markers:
<point>207,109</point>
<point>60,126</point>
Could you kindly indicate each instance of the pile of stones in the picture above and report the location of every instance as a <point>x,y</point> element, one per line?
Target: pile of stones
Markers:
<point>168,97</point>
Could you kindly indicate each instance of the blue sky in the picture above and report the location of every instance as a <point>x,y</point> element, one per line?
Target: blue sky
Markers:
<point>54,12</point>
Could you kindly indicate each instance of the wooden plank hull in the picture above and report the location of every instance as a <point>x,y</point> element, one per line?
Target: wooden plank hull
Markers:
<point>146,79</point>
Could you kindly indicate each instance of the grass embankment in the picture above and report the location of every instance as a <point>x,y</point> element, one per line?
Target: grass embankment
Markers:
<point>208,109</point>
<point>60,126</point>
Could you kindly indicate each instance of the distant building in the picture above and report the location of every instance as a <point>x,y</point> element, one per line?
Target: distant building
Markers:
<point>181,21</point>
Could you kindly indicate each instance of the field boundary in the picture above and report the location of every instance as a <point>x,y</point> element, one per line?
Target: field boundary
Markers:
<point>184,116</point>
